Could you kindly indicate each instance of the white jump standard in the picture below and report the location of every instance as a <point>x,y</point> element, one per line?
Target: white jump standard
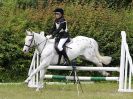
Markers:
<point>125,64</point>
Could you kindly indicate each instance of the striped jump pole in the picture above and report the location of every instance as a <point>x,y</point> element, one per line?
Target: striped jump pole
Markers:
<point>83,78</point>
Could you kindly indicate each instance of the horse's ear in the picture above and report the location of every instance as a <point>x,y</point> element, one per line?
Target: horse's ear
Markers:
<point>42,33</point>
<point>29,32</point>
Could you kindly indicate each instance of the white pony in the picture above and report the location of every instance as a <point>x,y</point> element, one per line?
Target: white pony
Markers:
<point>82,46</point>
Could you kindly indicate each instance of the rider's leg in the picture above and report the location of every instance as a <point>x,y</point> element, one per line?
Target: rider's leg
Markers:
<point>61,43</point>
<point>60,47</point>
<point>57,50</point>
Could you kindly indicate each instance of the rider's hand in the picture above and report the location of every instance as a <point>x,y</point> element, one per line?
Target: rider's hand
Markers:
<point>49,36</point>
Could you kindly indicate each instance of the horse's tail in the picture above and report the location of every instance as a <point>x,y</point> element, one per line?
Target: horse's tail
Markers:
<point>104,59</point>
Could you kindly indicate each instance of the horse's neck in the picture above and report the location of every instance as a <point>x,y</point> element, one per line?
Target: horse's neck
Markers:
<point>40,41</point>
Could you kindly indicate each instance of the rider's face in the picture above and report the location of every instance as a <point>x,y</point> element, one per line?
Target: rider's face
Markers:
<point>58,15</point>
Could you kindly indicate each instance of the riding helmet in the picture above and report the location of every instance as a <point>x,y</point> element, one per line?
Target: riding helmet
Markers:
<point>60,10</point>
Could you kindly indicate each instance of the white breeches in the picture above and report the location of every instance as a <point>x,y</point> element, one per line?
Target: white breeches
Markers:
<point>61,43</point>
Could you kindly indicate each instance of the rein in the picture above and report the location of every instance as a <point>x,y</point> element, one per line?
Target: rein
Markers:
<point>43,46</point>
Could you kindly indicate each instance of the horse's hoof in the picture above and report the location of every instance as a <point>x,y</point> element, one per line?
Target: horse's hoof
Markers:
<point>38,89</point>
<point>27,81</point>
<point>106,74</point>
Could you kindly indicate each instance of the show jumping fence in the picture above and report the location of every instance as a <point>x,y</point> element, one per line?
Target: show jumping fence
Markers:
<point>125,70</point>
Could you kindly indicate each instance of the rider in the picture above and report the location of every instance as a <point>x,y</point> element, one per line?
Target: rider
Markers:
<point>60,32</point>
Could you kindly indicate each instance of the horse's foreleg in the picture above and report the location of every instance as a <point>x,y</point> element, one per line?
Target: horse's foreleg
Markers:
<point>42,72</point>
<point>42,66</point>
<point>40,83</point>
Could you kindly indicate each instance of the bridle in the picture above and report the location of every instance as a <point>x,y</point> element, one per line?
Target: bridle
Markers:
<point>29,46</point>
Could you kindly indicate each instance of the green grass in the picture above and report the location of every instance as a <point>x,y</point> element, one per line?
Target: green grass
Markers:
<point>91,91</point>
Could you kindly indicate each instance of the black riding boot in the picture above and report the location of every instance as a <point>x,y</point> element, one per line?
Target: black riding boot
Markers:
<point>59,58</point>
<point>67,61</point>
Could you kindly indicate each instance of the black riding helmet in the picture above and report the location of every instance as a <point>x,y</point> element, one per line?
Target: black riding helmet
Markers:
<point>59,10</point>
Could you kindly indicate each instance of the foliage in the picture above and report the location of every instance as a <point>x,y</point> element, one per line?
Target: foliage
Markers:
<point>27,3</point>
<point>101,23</point>
<point>115,4</point>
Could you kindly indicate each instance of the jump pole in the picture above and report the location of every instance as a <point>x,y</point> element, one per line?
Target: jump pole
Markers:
<point>83,78</point>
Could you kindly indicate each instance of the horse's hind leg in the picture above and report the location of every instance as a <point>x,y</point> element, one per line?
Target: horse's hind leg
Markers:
<point>95,60</point>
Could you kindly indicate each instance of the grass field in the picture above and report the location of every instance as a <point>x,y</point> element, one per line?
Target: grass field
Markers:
<point>103,90</point>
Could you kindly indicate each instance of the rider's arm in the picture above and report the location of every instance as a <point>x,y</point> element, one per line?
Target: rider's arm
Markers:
<point>62,26</point>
